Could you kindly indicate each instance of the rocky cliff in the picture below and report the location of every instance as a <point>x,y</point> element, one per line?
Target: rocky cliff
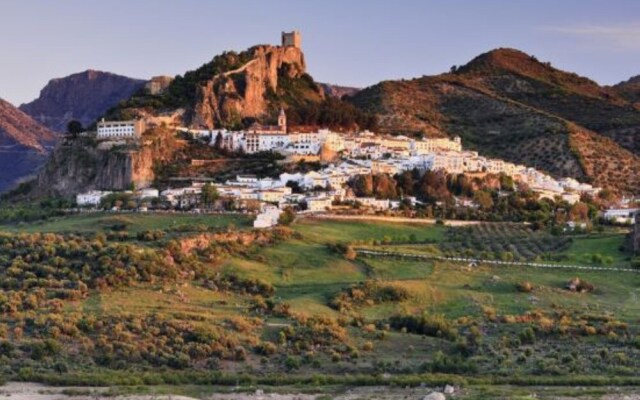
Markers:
<point>509,105</point>
<point>85,97</point>
<point>82,164</point>
<point>235,89</point>
<point>24,145</point>
<point>242,92</point>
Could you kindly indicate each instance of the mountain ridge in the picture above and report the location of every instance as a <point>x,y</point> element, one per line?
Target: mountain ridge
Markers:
<point>507,104</point>
<point>83,96</point>
<point>504,103</point>
<point>629,89</point>
<point>24,145</point>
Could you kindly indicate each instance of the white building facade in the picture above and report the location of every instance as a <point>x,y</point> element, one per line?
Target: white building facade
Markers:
<point>120,129</point>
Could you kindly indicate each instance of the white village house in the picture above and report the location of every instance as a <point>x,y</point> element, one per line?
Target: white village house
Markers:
<point>120,129</point>
<point>91,198</point>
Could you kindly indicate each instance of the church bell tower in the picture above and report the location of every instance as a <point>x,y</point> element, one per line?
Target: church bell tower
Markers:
<point>282,121</point>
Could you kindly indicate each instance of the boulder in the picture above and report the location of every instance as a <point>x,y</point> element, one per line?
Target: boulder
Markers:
<point>434,396</point>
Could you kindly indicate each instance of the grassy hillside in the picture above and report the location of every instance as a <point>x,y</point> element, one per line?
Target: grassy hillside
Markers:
<point>509,105</point>
<point>629,89</point>
<point>171,298</point>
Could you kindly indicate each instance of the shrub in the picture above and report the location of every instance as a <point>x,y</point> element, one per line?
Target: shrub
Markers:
<point>350,254</point>
<point>367,293</point>
<point>524,287</point>
<point>456,364</point>
<point>527,336</point>
<point>428,325</point>
<point>292,363</point>
<point>266,348</point>
<point>287,216</point>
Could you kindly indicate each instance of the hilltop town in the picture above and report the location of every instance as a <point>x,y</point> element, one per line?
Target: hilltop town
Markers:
<point>361,153</point>
<point>341,157</point>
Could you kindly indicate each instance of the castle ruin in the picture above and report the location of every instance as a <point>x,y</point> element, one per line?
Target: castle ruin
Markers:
<point>292,39</point>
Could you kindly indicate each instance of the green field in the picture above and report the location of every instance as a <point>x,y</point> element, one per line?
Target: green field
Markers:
<point>331,231</point>
<point>517,242</point>
<point>483,319</point>
<point>134,222</point>
<point>583,249</point>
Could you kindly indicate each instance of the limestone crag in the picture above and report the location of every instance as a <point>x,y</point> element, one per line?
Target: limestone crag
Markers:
<point>81,165</point>
<point>243,92</point>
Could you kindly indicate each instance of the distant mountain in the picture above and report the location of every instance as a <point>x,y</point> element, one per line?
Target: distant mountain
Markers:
<point>24,145</point>
<point>507,104</point>
<point>85,97</point>
<point>630,90</point>
<point>338,91</point>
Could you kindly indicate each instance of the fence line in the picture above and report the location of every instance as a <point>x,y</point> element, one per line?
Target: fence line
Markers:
<point>492,262</point>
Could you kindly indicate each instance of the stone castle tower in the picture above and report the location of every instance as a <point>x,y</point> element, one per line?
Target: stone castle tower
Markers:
<point>292,39</point>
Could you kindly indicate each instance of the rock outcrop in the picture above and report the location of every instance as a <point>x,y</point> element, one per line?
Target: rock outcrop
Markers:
<point>236,89</point>
<point>242,92</point>
<point>82,164</point>
<point>85,97</point>
<point>24,145</point>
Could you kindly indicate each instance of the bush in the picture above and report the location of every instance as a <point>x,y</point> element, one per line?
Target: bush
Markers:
<point>428,325</point>
<point>287,216</point>
<point>367,293</point>
<point>524,287</point>
<point>456,364</point>
<point>527,336</point>
<point>266,348</point>
<point>292,363</point>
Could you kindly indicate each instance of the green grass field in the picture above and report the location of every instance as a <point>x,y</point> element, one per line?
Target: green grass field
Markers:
<point>307,274</point>
<point>134,222</point>
<point>328,231</point>
<point>583,248</point>
<point>492,241</point>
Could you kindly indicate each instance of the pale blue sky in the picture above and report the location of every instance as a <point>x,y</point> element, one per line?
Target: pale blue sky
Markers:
<point>349,42</point>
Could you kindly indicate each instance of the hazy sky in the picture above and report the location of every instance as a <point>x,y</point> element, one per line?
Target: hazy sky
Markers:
<point>348,42</point>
